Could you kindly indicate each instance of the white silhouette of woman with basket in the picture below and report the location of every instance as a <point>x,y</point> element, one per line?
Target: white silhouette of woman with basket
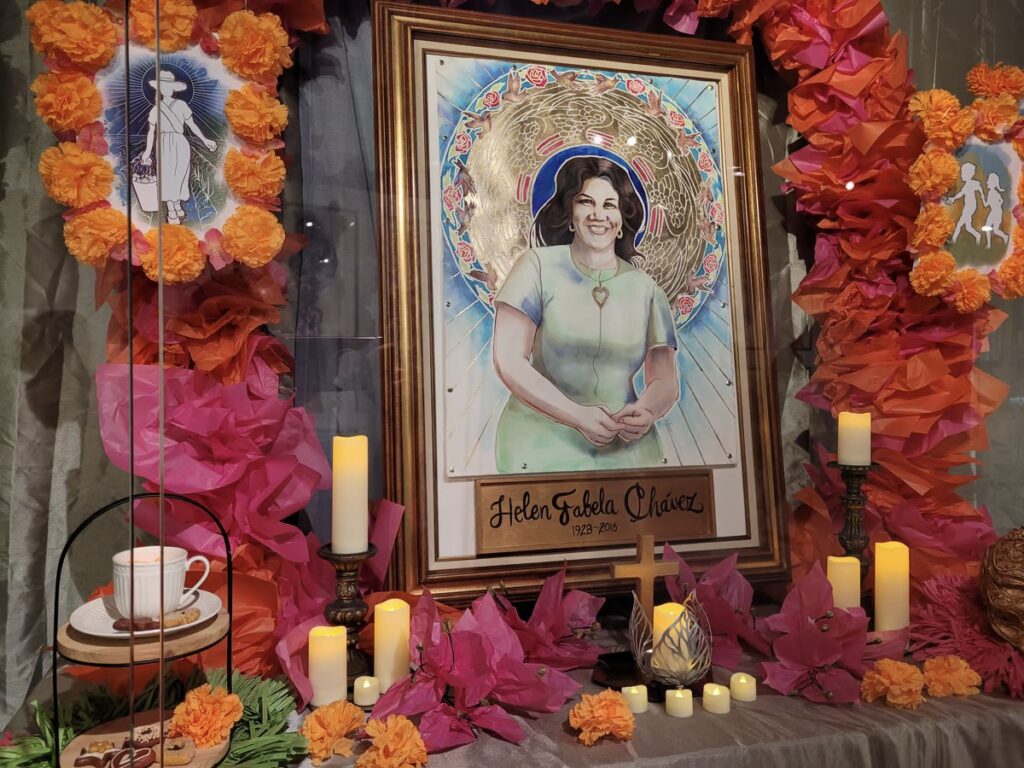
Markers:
<point>175,150</point>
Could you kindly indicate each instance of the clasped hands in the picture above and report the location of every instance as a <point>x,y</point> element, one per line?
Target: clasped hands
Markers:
<point>601,427</point>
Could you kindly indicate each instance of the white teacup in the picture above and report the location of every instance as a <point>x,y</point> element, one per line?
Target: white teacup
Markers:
<point>147,580</point>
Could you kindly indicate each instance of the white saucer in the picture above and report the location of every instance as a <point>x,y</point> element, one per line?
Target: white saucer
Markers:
<point>97,617</point>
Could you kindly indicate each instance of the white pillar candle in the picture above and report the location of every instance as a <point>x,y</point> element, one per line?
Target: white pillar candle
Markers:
<point>365,691</point>
<point>679,702</point>
<point>743,687</point>
<point>328,664</point>
<point>664,616</point>
<point>844,576</point>
<point>350,527</point>
<point>892,586</point>
<point>636,698</point>
<point>390,642</point>
<point>855,439</point>
<point>716,699</point>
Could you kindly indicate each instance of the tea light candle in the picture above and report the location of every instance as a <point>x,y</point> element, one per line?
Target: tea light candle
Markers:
<point>844,576</point>
<point>716,699</point>
<point>350,528</point>
<point>855,439</point>
<point>365,691</point>
<point>636,698</point>
<point>679,702</point>
<point>390,642</point>
<point>743,687</point>
<point>328,664</point>
<point>892,586</point>
<point>664,616</point>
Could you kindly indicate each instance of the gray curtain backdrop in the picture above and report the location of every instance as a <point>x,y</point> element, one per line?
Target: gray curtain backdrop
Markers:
<point>52,468</point>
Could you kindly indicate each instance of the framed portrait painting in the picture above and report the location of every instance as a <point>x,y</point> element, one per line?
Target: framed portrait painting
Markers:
<point>577,332</point>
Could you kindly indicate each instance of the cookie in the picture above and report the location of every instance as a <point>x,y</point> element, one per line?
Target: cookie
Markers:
<point>140,625</point>
<point>145,736</point>
<point>179,751</point>
<point>144,758</point>
<point>91,760</point>
<point>100,746</point>
<point>181,618</point>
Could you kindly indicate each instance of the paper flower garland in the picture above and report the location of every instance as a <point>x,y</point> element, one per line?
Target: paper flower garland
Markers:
<point>79,41</point>
<point>993,117</point>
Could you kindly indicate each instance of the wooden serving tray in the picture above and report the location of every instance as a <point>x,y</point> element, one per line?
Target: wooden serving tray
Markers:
<point>86,649</point>
<point>117,731</point>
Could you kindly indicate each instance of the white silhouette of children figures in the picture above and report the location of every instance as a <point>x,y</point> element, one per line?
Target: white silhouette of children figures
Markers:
<point>175,150</point>
<point>994,203</point>
<point>969,192</point>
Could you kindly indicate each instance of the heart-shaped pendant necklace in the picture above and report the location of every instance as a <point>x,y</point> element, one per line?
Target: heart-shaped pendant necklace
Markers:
<point>600,294</point>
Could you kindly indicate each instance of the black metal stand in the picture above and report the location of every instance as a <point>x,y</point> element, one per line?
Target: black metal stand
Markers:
<point>349,610</point>
<point>56,598</point>
<point>852,537</point>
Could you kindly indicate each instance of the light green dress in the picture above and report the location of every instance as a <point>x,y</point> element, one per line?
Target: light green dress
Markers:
<point>591,353</point>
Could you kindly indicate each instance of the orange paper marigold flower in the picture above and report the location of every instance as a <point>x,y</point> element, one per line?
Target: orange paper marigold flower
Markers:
<point>933,275</point>
<point>252,236</point>
<point>74,176</point>
<point>985,81</point>
<point>1011,276</point>
<point>81,33</point>
<point>327,730</point>
<point>971,291</point>
<point>995,116</point>
<point>396,744</point>
<point>66,100</point>
<point>183,262</point>
<point>950,676</point>
<point>259,176</point>
<point>603,714</point>
<point>946,124</point>
<point>254,114</point>
<point>254,46</point>
<point>932,228</point>
<point>206,715</point>
<point>92,235</point>
<point>177,18</point>
<point>901,684</point>
<point>933,173</point>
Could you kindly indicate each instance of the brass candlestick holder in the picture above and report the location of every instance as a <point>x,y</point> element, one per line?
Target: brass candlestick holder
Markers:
<point>349,610</point>
<point>852,537</point>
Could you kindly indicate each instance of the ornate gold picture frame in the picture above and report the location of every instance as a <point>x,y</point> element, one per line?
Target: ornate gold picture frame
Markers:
<point>645,402</point>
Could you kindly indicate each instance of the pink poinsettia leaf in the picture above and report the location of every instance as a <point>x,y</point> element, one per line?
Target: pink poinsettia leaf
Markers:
<point>442,729</point>
<point>678,586</point>
<point>807,602</point>
<point>726,581</point>
<point>850,630</point>
<point>497,721</point>
<point>726,652</point>
<point>548,616</point>
<point>486,619</point>
<point>424,629</point>
<point>810,648</point>
<point>581,609</point>
<point>784,679</point>
<point>412,695</point>
<point>533,687</point>
<point>886,645</point>
<point>833,686</point>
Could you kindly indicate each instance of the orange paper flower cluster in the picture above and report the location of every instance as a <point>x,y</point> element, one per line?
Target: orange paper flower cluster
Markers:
<point>933,274</point>
<point>327,730</point>
<point>254,46</point>
<point>603,714</point>
<point>183,262</point>
<point>74,176</point>
<point>946,124</point>
<point>255,115</point>
<point>253,236</point>
<point>76,33</point>
<point>971,291</point>
<point>901,684</point>
<point>206,716</point>
<point>66,100</point>
<point>92,235</point>
<point>932,228</point>
<point>986,82</point>
<point>933,174</point>
<point>396,744</point>
<point>995,116</point>
<point>254,175</point>
<point>177,19</point>
<point>950,676</point>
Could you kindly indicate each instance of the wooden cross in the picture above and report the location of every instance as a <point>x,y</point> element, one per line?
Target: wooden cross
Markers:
<point>644,572</point>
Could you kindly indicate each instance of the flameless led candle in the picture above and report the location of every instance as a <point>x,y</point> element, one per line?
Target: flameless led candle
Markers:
<point>743,687</point>
<point>390,642</point>
<point>664,616</point>
<point>844,576</point>
<point>679,702</point>
<point>365,691</point>
<point>350,496</point>
<point>636,698</point>
<point>855,439</point>
<point>716,699</point>
<point>328,664</point>
<point>892,586</point>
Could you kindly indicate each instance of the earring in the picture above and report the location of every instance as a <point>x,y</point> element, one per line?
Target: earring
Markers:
<point>619,235</point>
<point>572,228</point>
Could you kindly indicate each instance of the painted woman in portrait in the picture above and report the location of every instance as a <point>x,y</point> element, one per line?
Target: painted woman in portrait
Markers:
<point>575,322</point>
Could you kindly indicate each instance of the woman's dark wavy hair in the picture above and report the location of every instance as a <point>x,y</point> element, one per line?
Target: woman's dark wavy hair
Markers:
<point>551,227</point>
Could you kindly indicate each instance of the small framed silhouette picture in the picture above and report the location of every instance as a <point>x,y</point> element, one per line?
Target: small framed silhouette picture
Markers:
<point>578,342</point>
